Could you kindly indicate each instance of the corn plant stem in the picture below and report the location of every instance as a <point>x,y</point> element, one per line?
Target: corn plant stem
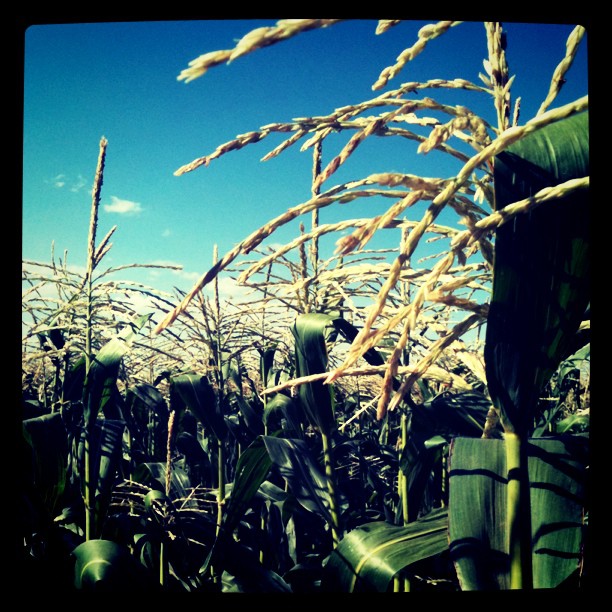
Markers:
<point>63,390</point>
<point>55,393</point>
<point>304,275</point>
<point>264,379</point>
<point>163,561</point>
<point>444,481</point>
<point>89,493</point>
<point>220,394</point>
<point>89,511</point>
<point>221,484</point>
<point>163,564</point>
<point>403,484</point>
<point>331,489</point>
<point>518,512</point>
<point>91,262</point>
<point>316,189</point>
<point>262,525</point>
<point>403,481</point>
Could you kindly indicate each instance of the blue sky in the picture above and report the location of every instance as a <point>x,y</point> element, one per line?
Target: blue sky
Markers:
<point>119,80</point>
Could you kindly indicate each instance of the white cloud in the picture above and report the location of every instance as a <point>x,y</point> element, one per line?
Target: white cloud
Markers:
<point>166,233</point>
<point>123,207</point>
<point>75,185</point>
<point>142,303</point>
<point>192,277</point>
<point>78,184</point>
<point>59,181</point>
<point>229,289</point>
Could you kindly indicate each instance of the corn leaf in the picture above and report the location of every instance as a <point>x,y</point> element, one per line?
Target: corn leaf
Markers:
<point>251,471</point>
<point>368,557</point>
<point>541,279</point>
<point>104,566</point>
<point>349,331</point>
<point>154,475</point>
<point>477,510</point>
<point>417,460</point>
<point>46,436</point>
<point>302,473</point>
<point>282,406</point>
<point>105,453</point>
<point>147,416</point>
<point>144,399</point>
<point>74,381</point>
<point>311,333</point>
<point>101,379</point>
<point>452,414</point>
<point>243,572</point>
<point>200,397</point>
<point>251,412</point>
<point>266,363</point>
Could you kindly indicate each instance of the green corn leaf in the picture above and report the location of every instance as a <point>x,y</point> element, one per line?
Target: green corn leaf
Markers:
<point>566,377</point>
<point>574,423</point>
<point>188,444</point>
<point>283,406</point>
<point>147,417</point>
<point>144,399</point>
<point>252,414</point>
<point>105,453</point>
<point>452,414</point>
<point>101,379</point>
<point>477,510</point>
<point>200,397</point>
<point>158,506</point>
<point>573,363</point>
<point>417,460</point>
<point>541,281</point>
<point>302,473</point>
<point>349,331</point>
<point>154,475</point>
<point>231,371</point>
<point>368,557</point>
<point>311,333</point>
<point>266,363</point>
<point>243,572</point>
<point>251,471</point>
<point>46,436</point>
<point>74,382</point>
<point>107,567</point>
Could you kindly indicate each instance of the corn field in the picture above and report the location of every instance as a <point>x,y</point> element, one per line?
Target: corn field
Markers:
<point>371,420</point>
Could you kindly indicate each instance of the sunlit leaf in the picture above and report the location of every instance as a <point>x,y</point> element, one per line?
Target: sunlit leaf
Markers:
<point>105,566</point>
<point>541,281</point>
<point>477,510</point>
<point>368,557</point>
<point>251,471</point>
<point>311,333</point>
<point>101,379</point>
